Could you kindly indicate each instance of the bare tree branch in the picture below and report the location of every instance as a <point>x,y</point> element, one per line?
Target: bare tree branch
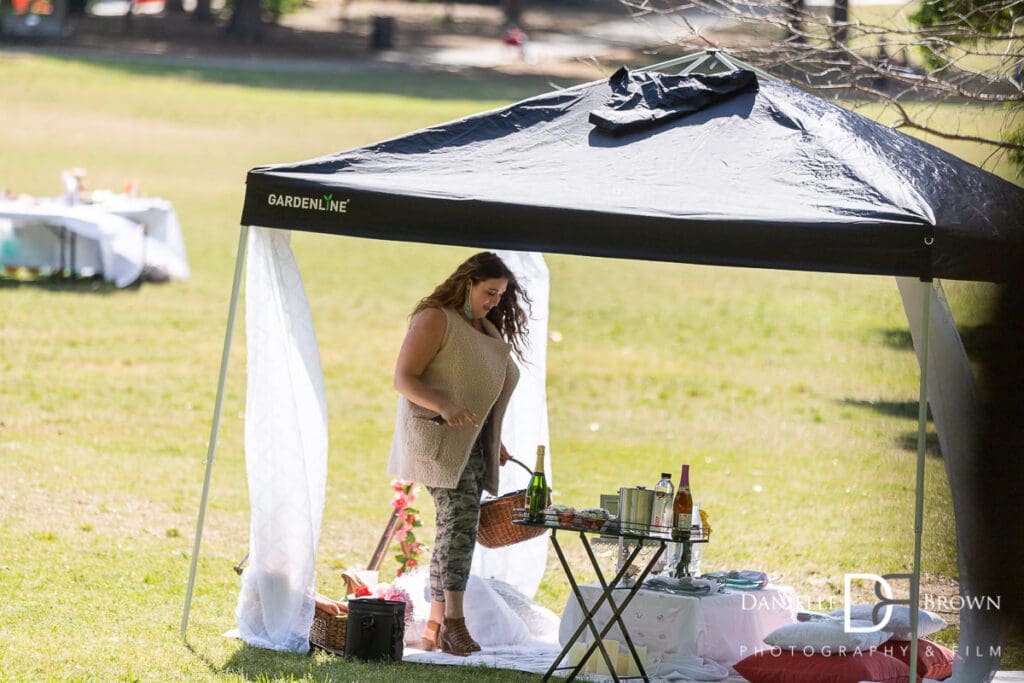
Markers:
<point>957,51</point>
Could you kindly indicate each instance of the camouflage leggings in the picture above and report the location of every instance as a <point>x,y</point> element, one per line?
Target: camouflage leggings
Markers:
<point>458,515</point>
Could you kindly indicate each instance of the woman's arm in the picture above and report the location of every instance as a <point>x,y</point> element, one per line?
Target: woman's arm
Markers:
<point>422,342</point>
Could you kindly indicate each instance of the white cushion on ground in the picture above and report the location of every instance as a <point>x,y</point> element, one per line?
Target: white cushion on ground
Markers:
<point>490,620</point>
<point>541,622</point>
<point>899,623</point>
<point>827,637</point>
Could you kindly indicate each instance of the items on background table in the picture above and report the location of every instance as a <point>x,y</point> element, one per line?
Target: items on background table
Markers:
<point>537,493</point>
<point>87,233</point>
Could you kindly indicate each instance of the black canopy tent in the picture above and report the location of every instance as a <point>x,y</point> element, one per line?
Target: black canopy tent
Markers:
<point>775,179</point>
<point>771,177</point>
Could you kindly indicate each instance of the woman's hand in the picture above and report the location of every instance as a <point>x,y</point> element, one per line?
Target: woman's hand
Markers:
<point>332,607</point>
<point>458,416</point>
<point>503,455</point>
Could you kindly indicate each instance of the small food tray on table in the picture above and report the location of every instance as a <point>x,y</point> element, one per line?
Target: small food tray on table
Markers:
<point>635,534</point>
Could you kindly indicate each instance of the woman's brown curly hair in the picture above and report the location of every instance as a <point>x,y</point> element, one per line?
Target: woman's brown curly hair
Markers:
<point>508,316</point>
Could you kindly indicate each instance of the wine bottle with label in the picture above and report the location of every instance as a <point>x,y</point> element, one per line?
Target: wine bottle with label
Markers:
<point>682,508</point>
<point>682,516</point>
<point>537,491</point>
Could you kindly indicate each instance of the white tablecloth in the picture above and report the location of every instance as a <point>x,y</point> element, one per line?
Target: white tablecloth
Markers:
<point>725,627</point>
<point>115,238</point>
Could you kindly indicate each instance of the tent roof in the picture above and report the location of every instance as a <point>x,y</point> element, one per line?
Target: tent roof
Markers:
<point>777,178</point>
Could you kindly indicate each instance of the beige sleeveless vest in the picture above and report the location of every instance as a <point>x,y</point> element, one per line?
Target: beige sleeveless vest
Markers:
<point>471,370</point>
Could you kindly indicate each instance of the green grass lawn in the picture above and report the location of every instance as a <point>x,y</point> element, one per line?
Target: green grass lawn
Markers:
<point>792,395</point>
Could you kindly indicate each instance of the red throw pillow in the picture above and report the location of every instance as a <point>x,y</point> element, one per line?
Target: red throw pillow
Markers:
<point>785,666</point>
<point>933,660</point>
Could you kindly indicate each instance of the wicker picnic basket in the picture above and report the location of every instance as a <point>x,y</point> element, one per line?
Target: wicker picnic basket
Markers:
<point>328,631</point>
<point>496,528</point>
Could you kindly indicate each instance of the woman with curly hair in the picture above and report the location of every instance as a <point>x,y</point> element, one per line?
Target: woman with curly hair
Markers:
<point>455,375</point>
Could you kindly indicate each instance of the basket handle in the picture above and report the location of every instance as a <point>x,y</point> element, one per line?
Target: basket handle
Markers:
<point>520,463</point>
<point>523,465</point>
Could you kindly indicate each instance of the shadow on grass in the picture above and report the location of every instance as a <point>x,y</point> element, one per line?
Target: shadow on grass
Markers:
<point>975,338</point>
<point>907,410</point>
<point>89,285</point>
<point>286,58</point>
<point>256,664</point>
<point>908,442</point>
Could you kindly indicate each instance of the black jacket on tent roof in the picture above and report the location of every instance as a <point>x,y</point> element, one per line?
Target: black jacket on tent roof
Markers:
<point>769,177</point>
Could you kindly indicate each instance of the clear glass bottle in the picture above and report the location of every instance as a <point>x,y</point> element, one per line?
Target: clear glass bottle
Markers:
<point>661,515</point>
<point>697,530</point>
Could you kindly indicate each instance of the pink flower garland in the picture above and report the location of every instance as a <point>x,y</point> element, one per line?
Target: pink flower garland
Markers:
<point>385,591</point>
<point>408,519</point>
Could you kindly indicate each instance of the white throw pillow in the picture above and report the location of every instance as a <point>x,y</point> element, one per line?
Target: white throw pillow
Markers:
<point>541,622</point>
<point>489,619</point>
<point>825,637</point>
<point>899,623</point>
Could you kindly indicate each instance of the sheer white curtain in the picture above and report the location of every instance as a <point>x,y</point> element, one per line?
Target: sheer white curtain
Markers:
<point>956,413</point>
<point>525,426</point>
<point>285,449</point>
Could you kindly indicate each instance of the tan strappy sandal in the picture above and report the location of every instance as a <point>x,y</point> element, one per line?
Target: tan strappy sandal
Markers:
<point>431,638</point>
<point>455,639</point>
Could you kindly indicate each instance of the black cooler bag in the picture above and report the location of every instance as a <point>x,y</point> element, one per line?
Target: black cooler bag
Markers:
<point>376,629</point>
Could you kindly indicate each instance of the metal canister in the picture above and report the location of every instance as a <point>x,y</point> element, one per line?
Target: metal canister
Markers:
<point>643,507</point>
<point>627,508</point>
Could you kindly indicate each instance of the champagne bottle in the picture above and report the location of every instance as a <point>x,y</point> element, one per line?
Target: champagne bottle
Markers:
<point>682,507</point>
<point>682,516</point>
<point>661,518</point>
<point>537,491</point>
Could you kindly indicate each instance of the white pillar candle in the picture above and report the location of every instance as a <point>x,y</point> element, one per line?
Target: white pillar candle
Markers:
<point>591,665</point>
<point>576,653</point>
<point>625,666</point>
<point>612,647</point>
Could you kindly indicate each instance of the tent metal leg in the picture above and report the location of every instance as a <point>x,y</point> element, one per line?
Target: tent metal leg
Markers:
<point>214,430</point>
<point>922,431</point>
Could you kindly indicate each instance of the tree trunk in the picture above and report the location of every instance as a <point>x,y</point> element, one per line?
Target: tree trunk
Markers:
<point>513,12</point>
<point>795,11</point>
<point>840,15</point>
<point>174,6</point>
<point>203,12</point>
<point>246,23</point>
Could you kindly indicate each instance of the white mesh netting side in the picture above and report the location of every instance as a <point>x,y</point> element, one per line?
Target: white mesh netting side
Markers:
<point>285,449</point>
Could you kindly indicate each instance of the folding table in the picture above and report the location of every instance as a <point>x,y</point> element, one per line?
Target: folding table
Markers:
<point>638,535</point>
